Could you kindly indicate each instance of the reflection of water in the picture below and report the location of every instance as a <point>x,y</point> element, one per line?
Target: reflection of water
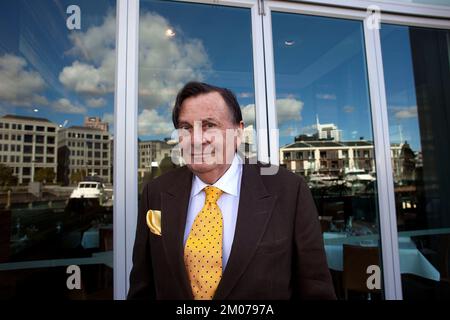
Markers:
<point>52,229</point>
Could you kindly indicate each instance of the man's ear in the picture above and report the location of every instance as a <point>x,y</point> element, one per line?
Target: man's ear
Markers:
<point>240,132</point>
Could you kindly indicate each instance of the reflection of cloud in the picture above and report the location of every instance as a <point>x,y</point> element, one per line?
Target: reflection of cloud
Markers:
<point>109,118</point>
<point>19,86</point>
<point>349,109</point>
<point>289,132</point>
<point>287,109</point>
<point>166,63</point>
<point>151,123</point>
<point>85,79</point>
<point>97,42</point>
<point>248,114</point>
<point>309,130</point>
<point>94,75</point>
<point>326,96</point>
<point>405,112</point>
<point>245,95</point>
<point>96,102</point>
<point>63,105</point>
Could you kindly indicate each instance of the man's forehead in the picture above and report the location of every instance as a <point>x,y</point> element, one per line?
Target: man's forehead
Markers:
<point>210,99</point>
<point>204,107</point>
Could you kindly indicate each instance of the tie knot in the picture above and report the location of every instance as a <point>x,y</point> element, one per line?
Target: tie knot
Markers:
<point>212,194</point>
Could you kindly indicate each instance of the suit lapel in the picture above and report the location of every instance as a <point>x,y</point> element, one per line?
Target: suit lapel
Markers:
<point>174,206</point>
<point>254,212</point>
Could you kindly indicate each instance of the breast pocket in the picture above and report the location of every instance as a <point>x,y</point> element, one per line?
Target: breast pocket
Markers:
<point>268,247</point>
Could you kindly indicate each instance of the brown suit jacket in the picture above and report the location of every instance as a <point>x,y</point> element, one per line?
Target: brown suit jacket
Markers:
<point>277,251</point>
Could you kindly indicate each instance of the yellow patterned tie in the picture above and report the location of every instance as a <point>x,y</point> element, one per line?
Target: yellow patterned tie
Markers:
<point>203,250</point>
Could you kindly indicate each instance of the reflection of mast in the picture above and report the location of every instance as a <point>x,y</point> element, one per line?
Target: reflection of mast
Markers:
<point>401,133</point>
<point>317,125</point>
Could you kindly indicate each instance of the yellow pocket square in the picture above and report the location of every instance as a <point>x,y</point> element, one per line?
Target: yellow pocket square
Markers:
<point>154,221</point>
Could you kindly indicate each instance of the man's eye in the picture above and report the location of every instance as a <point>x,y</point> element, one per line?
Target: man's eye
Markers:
<point>210,125</point>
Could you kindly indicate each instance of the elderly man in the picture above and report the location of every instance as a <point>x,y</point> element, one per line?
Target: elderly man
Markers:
<point>219,229</point>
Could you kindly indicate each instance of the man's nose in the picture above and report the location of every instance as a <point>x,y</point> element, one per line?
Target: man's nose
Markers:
<point>198,136</point>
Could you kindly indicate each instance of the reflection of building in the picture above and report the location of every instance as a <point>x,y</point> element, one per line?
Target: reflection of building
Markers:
<point>333,158</point>
<point>96,123</point>
<point>152,152</point>
<point>84,150</point>
<point>328,131</point>
<point>306,157</point>
<point>27,144</point>
<point>405,162</point>
<point>247,147</point>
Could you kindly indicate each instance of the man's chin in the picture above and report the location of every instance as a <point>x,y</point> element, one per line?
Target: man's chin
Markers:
<point>201,167</point>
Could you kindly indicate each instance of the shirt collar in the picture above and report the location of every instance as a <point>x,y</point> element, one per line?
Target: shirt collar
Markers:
<point>228,182</point>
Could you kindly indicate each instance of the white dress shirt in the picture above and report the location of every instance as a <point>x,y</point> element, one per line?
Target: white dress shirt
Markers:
<point>230,184</point>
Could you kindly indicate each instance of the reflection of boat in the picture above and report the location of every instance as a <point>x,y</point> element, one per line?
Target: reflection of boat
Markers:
<point>358,175</point>
<point>90,190</point>
<point>317,180</point>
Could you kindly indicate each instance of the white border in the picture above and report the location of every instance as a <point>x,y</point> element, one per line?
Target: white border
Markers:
<point>125,166</point>
<point>119,234</point>
<point>274,143</point>
<point>385,183</point>
<point>131,153</point>
<point>259,74</point>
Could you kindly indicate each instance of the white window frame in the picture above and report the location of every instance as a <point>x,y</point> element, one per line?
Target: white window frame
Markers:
<point>126,126</point>
<point>126,110</point>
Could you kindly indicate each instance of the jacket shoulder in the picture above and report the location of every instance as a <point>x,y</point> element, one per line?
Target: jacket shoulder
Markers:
<point>168,179</point>
<point>274,173</point>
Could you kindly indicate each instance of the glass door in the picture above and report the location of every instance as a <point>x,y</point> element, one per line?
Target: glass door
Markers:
<point>321,108</point>
<point>416,64</point>
<point>57,67</point>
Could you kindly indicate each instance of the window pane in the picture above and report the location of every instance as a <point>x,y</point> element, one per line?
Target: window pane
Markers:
<point>323,112</point>
<point>417,76</point>
<point>175,47</point>
<point>55,74</point>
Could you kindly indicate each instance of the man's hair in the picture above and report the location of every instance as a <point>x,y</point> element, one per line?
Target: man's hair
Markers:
<point>193,89</point>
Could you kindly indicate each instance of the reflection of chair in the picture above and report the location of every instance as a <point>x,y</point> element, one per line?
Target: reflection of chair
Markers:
<point>106,244</point>
<point>106,239</point>
<point>356,261</point>
<point>325,223</point>
<point>333,209</point>
<point>444,250</point>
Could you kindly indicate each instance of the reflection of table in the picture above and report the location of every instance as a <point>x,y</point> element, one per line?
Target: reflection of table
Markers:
<point>91,237</point>
<point>412,260</point>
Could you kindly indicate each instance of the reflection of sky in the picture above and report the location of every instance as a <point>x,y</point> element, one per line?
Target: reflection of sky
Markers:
<point>320,62</point>
<point>400,87</point>
<point>324,69</point>
<point>35,49</point>
<point>212,44</point>
<point>69,74</point>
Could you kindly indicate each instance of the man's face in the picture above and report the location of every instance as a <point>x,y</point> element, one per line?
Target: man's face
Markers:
<point>208,136</point>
